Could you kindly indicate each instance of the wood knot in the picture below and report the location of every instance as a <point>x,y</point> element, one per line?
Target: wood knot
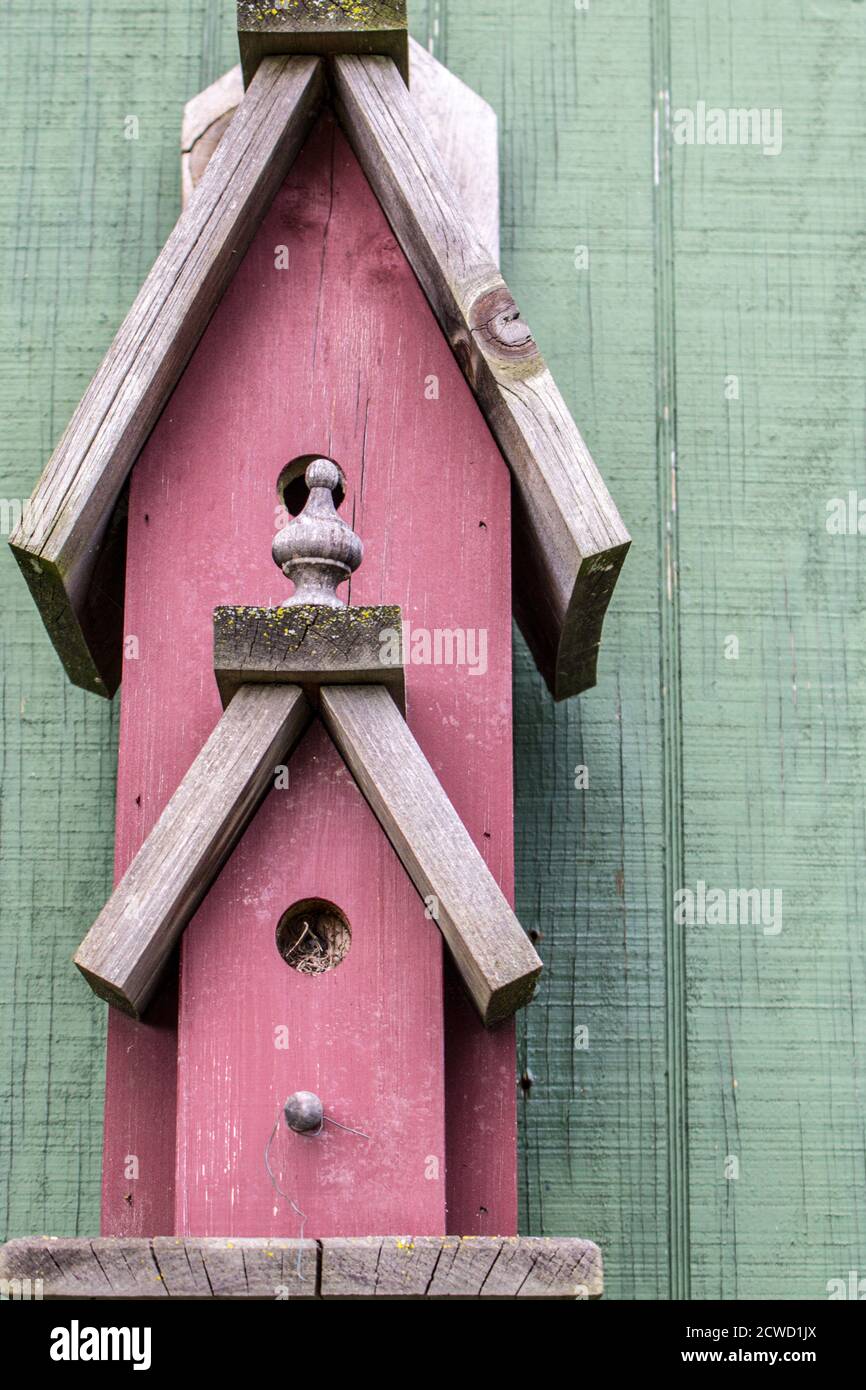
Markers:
<point>496,320</point>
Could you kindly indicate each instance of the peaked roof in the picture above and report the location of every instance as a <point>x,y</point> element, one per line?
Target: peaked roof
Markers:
<point>127,948</point>
<point>569,538</point>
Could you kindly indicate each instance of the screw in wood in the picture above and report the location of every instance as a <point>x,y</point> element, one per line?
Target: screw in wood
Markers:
<point>317,550</point>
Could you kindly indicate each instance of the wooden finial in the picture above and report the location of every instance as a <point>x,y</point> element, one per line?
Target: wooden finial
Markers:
<point>317,550</point>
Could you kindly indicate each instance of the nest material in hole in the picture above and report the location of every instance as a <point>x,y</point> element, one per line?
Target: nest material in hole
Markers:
<point>313,937</point>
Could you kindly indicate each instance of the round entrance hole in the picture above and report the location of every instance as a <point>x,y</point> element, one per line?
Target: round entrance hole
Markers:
<point>313,936</point>
<point>292,487</point>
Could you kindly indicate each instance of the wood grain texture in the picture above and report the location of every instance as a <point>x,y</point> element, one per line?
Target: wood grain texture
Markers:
<point>307,645</point>
<point>672,808</point>
<point>577,127</point>
<point>463,125</point>
<point>59,541</point>
<point>164,1267</point>
<point>465,131</point>
<point>322,27</point>
<point>368,1036</point>
<point>408,1267</point>
<point>415,1267</point>
<point>570,538</point>
<point>127,948</point>
<point>768,282</point>
<point>492,952</point>
<point>206,118</point>
<point>139,1119</point>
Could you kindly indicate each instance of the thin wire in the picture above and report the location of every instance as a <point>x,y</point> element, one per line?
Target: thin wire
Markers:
<point>276,1186</point>
<point>294,1206</point>
<point>347,1128</point>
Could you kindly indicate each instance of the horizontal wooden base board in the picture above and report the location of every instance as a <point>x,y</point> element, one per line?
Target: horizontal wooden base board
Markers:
<point>397,1267</point>
<point>461,1267</point>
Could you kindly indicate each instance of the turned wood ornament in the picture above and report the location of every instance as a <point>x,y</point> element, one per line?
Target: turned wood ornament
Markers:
<point>317,550</point>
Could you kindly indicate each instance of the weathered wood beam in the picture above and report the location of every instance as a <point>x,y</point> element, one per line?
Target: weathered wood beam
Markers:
<point>494,955</point>
<point>125,950</point>
<point>569,539</point>
<point>450,1267</point>
<point>63,538</point>
<point>395,1267</point>
<point>184,1267</point>
<point>322,27</point>
<point>308,644</point>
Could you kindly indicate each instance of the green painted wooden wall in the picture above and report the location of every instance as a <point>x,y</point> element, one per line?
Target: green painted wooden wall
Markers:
<point>710,339</point>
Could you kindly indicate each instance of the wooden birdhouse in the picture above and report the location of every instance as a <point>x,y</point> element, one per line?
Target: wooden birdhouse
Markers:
<point>310,955</point>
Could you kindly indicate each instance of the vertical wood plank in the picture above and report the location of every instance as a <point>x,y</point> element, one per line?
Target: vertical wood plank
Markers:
<point>769,272</point>
<point>479,1064</point>
<point>670,659</point>
<point>573,91</point>
<point>361,362</point>
<point>366,1037</point>
<point>140,1118</point>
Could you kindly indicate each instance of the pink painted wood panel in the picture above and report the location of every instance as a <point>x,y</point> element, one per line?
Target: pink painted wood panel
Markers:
<point>337,354</point>
<point>140,1118</point>
<point>138,1158</point>
<point>367,1037</point>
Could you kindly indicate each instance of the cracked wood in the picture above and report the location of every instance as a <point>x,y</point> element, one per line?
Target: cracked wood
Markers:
<point>308,645</point>
<point>463,125</point>
<point>390,1267</point>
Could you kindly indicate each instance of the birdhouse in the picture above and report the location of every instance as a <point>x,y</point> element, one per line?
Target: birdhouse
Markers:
<point>320,469</point>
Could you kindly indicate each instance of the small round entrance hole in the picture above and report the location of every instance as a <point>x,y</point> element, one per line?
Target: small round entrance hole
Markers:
<point>292,488</point>
<point>313,936</point>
